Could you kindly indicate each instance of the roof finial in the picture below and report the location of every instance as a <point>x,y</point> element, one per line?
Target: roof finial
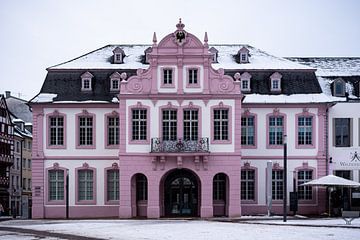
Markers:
<point>180,25</point>
<point>154,39</point>
<point>206,40</point>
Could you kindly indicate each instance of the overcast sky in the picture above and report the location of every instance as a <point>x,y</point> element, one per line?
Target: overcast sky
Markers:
<point>37,34</point>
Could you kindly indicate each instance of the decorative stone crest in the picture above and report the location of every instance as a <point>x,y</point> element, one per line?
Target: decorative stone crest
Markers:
<point>139,105</point>
<point>237,76</point>
<point>180,34</point>
<point>276,165</point>
<point>123,76</point>
<point>115,166</point>
<point>247,112</point>
<point>276,111</point>
<point>246,164</point>
<point>85,112</point>
<point>56,165</point>
<point>85,165</point>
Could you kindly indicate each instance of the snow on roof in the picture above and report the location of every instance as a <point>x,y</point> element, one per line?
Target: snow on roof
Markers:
<point>102,59</point>
<point>332,66</point>
<point>294,98</point>
<point>44,97</point>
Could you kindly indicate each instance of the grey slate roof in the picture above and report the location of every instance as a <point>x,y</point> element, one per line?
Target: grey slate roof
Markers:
<point>19,108</point>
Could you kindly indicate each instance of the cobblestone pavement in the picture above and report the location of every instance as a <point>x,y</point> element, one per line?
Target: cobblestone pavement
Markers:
<point>10,233</point>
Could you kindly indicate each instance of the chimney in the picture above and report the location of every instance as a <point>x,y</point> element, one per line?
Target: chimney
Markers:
<point>7,94</point>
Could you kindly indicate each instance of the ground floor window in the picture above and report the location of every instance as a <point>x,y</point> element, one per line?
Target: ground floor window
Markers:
<point>113,185</point>
<point>248,184</point>
<point>219,187</point>
<point>56,185</point>
<point>277,184</point>
<point>141,188</point>
<point>86,188</point>
<point>304,192</point>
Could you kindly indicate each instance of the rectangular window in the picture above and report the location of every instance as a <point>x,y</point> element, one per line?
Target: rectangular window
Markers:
<point>193,76</point>
<point>342,132</point>
<point>114,84</point>
<point>112,185</point>
<point>141,188</point>
<point>168,76</point>
<point>56,131</point>
<point>113,130</point>
<point>85,180</point>
<point>85,131</point>
<point>248,131</point>
<point>86,83</point>
<point>29,184</point>
<point>219,187</point>
<point>305,130</point>
<point>24,163</point>
<point>248,184</point>
<point>276,130</point>
<point>56,185</point>
<point>277,184</point>
<point>139,124</point>
<point>221,124</point>
<point>169,125</point>
<point>29,163</point>
<point>191,125</point>
<point>17,147</point>
<point>245,85</point>
<point>304,192</point>
<point>24,183</point>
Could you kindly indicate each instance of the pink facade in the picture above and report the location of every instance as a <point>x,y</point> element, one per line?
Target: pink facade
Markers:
<point>179,150</point>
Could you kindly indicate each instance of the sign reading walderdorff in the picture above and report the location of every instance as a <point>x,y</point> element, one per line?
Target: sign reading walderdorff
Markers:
<point>349,160</point>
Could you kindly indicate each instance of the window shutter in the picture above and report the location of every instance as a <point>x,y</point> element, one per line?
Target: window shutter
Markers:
<point>351,131</point>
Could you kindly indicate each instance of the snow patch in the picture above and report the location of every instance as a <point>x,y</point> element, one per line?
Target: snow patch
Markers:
<point>294,98</point>
<point>44,97</point>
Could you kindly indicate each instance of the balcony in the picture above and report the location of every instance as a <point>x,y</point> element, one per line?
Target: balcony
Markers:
<point>6,160</point>
<point>180,146</point>
<point>4,182</point>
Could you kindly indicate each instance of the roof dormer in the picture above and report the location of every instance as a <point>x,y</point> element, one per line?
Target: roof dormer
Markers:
<point>245,82</point>
<point>214,53</point>
<point>339,87</point>
<point>86,81</point>
<point>115,81</point>
<point>147,52</point>
<point>119,55</point>
<point>275,82</point>
<point>243,55</point>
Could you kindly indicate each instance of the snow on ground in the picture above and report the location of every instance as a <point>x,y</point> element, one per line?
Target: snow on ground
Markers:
<point>23,236</point>
<point>192,229</point>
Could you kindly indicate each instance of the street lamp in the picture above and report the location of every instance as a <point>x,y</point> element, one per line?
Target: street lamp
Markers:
<point>285,179</point>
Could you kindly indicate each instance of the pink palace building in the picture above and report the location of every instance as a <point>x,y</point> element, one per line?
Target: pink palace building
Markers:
<point>176,128</point>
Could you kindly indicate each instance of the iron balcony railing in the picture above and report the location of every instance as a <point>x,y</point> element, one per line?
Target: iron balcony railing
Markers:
<point>6,159</point>
<point>179,145</point>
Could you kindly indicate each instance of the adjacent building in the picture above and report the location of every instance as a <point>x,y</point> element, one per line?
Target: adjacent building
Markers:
<point>6,153</point>
<point>177,128</point>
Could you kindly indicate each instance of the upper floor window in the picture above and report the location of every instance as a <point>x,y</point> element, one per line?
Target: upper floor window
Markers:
<point>304,192</point>
<point>342,132</point>
<point>248,184</point>
<point>56,185</point>
<point>86,84</point>
<point>115,84</point>
<point>248,130</point>
<point>113,130</point>
<point>139,124</point>
<point>305,130</point>
<point>339,87</point>
<point>86,130</point>
<point>191,125</point>
<point>275,82</point>
<point>29,164</point>
<point>56,130</point>
<point>214,53</point>
<point>221,124</point>
<point>193,76</point>
<point>277,184</point>
<point>245,81</point>
<point>168,77</point>
<point>276,130</point>
<point>169,124</point>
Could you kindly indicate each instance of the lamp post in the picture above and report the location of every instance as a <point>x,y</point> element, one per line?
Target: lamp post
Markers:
<point>285,179</point>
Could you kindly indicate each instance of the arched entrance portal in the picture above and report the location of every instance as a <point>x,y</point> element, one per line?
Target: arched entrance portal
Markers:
<point>181,194</point>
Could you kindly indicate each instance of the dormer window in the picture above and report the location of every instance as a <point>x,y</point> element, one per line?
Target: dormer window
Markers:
<point>275,82</point>
<point>245,82</point>
<point>86,84</point>
<point>339,87</point>
<point>243,55</point>
<point>115,81</point>
<point>118,55</point>
<point>214,53</point>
